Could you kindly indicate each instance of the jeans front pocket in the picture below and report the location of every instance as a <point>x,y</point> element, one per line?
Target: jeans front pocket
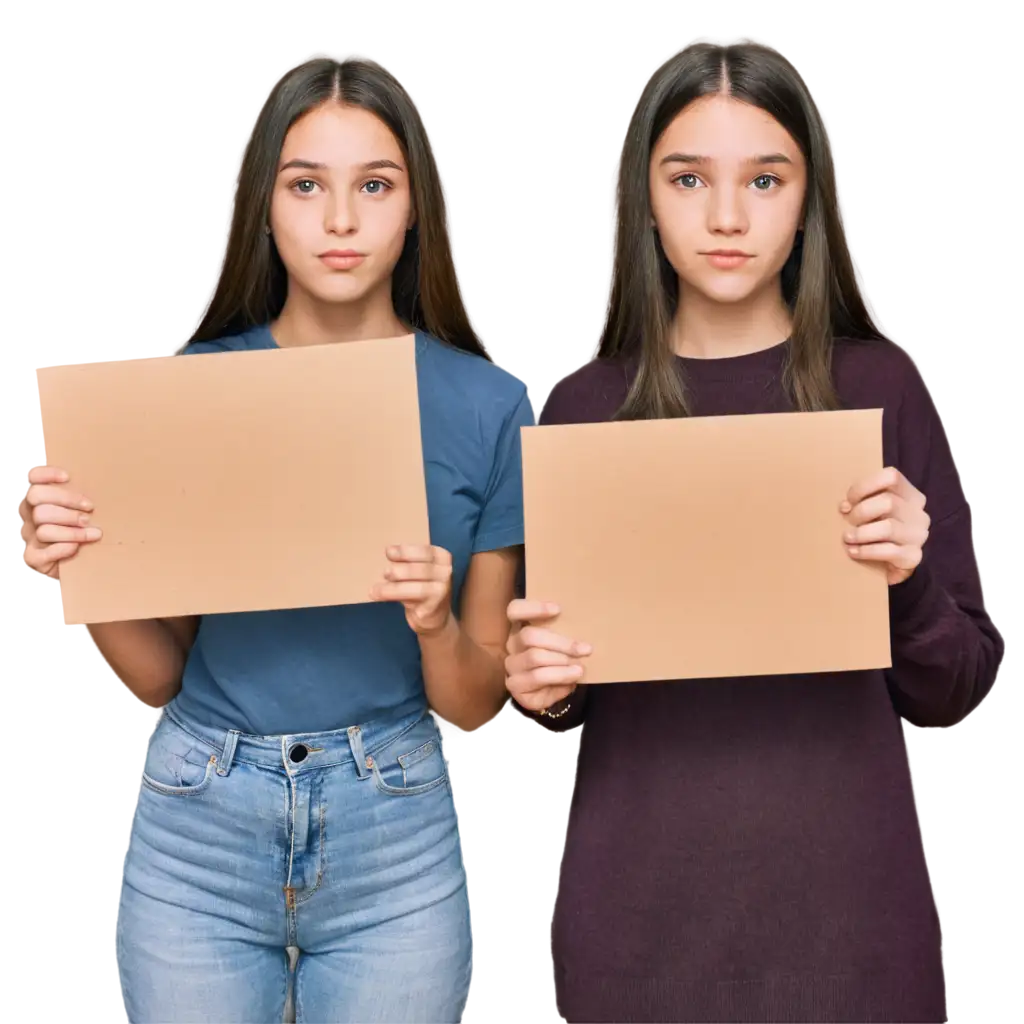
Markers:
<point>176,764</point>
<point>412,764</point>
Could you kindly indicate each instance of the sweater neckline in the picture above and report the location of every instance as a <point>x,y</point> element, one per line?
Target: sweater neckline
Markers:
<point>763,362</point>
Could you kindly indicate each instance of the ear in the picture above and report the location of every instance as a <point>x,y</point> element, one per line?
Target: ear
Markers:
<point>412,218</point>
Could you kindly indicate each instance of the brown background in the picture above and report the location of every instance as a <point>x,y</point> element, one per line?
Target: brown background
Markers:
<point>117,129</point>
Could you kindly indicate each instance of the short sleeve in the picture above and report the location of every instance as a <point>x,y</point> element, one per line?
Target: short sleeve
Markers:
<point>501,516</point>
<point>196,348</point>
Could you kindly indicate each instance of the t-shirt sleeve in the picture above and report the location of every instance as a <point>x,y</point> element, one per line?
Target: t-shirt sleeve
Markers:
<point>200,347</point>
<point>501,516</point>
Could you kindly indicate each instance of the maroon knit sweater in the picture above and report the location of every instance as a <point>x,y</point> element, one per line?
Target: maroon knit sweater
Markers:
<point>748,849</point>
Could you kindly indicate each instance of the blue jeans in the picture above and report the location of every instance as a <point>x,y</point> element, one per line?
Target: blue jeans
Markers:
<point>343,844</point>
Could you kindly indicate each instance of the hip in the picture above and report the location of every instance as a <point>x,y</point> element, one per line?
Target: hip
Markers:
<point>362,810</point>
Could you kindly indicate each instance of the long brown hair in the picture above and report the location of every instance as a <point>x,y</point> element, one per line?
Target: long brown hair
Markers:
<point>253,283</point>
<point>818,281</point>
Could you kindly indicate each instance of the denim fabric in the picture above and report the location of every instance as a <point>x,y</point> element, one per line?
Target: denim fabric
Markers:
<point>343,844</point>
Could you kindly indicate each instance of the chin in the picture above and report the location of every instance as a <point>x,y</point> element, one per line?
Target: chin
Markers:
<point>727,290</point>
<point>341,289</point>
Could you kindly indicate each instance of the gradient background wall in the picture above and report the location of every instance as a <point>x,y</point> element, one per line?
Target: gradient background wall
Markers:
<point>124,126</point>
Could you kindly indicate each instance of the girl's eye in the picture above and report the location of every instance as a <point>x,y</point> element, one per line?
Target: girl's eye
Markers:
<point>688,181</point>
<point>765,182</point>
<point>304,186</point>
<point>375,187</point>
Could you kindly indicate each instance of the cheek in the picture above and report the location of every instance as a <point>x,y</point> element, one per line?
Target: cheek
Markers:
<point>678,226</point>
<point>389,222</point>
<point>296,229</point>
<point>780,232</point>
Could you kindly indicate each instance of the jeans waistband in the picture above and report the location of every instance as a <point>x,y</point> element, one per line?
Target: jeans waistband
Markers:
<point>298,752</point>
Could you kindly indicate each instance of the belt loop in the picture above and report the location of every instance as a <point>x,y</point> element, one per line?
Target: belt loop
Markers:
<point>355,741</point>
<point>227,756</point>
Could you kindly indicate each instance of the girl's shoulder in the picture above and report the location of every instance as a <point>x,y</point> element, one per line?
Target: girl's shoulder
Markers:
<point>591,394</point>
<point>876,373</point>
<point>252,338</point>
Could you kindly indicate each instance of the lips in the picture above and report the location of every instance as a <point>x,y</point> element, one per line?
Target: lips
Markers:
<point>342,259</point>
<point>727,259</point>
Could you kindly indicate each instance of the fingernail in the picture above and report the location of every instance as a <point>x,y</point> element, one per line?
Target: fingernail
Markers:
<point>62,477</point>
<point>551,609</point>
<point>87,505</point>
<point>392,552</point>
<point>855,552</point>
<point>849,537</point>
<point>584,648</point>
<point>83,520</point>
<point>845,507</point>
<point>93,533</point>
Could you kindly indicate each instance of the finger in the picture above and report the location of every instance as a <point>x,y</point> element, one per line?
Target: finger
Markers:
<point>881,506</point>
<point>412,592</point>
<point>534,636</point>
<point>58,515</point>
<point>46,494</point>
<point>888,479</point>
<point>903,556</point>
<point>47,475</point>
<point>538,677</point>
<point>418,553</point>
<point>50,534</point>
<point>531,611</point>
<point>427,571</point>
<point>884,530</point>
<point>535,657</point>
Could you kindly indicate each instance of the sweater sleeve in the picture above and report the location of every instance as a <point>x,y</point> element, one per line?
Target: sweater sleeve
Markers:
<point>570,401</point>
<point>945,649</point>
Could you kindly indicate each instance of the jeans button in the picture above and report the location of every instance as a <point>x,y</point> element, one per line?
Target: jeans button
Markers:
<point>298,753</point>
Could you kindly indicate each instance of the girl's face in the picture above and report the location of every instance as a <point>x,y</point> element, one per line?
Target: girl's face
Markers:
<point>727,190</point>
<point>341,204</point>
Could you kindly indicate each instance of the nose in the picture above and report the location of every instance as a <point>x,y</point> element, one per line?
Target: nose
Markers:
<point>727,214</point>
<point>340,216</point>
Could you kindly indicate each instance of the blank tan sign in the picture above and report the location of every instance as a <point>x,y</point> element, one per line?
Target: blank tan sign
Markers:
<point>238,481</point>
<point>706,547</point>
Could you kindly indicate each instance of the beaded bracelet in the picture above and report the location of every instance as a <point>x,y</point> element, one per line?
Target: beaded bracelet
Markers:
<point>545,713</point>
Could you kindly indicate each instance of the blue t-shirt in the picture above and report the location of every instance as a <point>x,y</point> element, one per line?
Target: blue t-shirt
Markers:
<point>312,669</point>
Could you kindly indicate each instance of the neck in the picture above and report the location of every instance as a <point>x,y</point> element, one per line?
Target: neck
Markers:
<point>706,329</point>
<point>305,320</point>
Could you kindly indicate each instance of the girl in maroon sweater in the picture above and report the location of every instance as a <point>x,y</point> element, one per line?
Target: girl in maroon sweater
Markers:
<point>748,849</point>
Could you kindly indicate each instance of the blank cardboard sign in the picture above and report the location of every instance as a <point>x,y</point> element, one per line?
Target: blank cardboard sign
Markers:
<point>238,481</point>
<point>706,547</point>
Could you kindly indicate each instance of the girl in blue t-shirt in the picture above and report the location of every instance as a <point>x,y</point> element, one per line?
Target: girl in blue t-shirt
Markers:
<point>295,834</point>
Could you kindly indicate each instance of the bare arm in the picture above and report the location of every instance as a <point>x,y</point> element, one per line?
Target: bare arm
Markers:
<point>147,655</point>
<point>463,664</point>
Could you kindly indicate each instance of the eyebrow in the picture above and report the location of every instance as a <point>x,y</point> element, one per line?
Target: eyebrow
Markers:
<point>312,165</point>
<point>692,158</point>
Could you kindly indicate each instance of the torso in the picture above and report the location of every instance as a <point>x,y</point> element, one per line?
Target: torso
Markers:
<point>748,849</point>
<point>312,669</point>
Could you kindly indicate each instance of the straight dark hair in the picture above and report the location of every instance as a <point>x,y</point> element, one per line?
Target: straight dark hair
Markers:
<point>818,280</point>
<point>253,282</point>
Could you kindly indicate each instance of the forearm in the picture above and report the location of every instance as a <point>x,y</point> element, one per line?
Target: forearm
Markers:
<point>465,682</point>
<point>147,655</point>
<point>945,654</point>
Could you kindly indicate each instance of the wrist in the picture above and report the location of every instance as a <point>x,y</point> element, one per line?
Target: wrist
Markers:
<point>556,710</point>
<point>446,632</point>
